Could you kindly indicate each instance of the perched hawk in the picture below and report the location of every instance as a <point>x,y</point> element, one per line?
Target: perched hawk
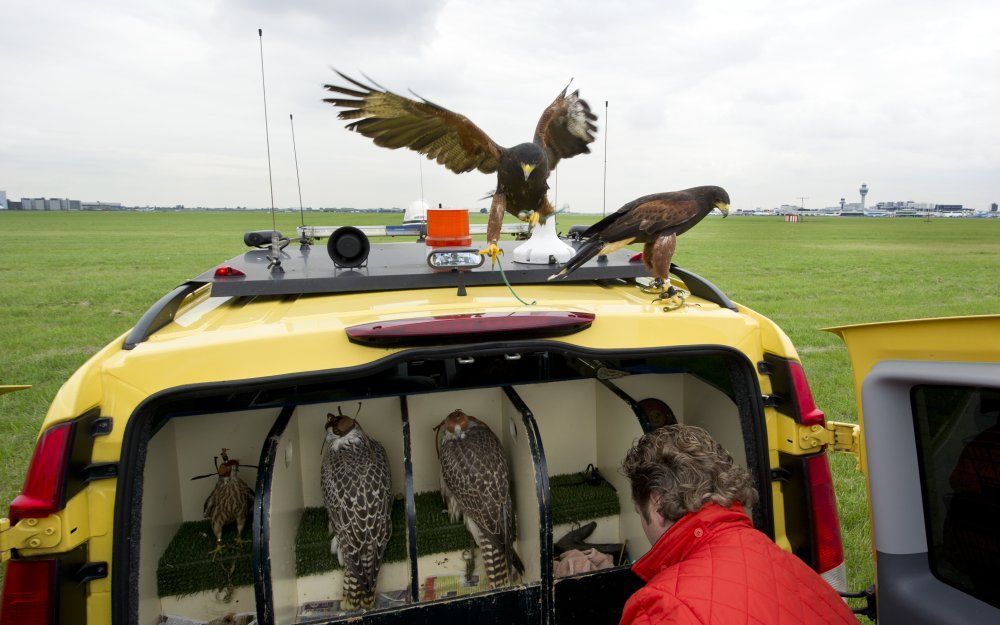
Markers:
<point>655,220</point>
<point>357,490</point>
<point>476,485</point>
<point>229,502</point>
<point>564,130</point>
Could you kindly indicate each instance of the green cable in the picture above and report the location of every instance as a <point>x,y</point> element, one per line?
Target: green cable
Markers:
<point>505,281</point>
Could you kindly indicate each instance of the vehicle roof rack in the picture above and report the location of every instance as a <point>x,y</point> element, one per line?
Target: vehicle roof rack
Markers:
<point>390,266</point>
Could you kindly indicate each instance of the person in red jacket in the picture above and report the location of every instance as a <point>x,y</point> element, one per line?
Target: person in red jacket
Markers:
<point>707,564</point>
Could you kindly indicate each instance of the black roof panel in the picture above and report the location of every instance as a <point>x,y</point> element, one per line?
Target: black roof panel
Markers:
<point>392,266</point>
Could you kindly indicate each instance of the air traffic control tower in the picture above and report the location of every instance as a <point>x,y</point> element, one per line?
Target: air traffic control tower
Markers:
<point>863,191</point>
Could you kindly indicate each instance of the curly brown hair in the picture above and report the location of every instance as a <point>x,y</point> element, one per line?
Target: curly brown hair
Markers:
<point>686,467</point>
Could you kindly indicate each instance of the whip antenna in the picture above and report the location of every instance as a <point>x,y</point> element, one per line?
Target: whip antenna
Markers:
<point>275,263</point>
<point>298,181</point>
<point>604,202</point>
<point>420,164</point>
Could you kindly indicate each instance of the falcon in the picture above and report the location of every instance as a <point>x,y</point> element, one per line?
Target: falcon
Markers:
<point>229,502</point>
<point>564,130</point>
<point>357,491</point>
<point>655,220</point>
<point>475,484</point>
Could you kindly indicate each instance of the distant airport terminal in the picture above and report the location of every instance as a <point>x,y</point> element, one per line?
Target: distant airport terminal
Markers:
<point>905,208</point>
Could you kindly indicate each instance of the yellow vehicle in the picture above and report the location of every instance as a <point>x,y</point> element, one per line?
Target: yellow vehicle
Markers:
<point>252,356</point>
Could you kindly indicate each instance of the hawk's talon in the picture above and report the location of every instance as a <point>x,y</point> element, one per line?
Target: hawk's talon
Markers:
<point>493,252</point>
<point>533,219</point>
<point>215,552</point>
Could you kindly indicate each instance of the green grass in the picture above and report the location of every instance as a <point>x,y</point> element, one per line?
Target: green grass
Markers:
<point>74,281</point>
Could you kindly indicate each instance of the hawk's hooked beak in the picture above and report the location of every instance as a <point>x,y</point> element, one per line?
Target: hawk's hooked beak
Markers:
<point>723,208</point>
<point>527,170</point>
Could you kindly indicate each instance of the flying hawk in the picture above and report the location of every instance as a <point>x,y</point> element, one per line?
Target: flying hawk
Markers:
<point>655,220</point>
<point>475,483</point>
<point>564,130</point>
<point>357,491</point>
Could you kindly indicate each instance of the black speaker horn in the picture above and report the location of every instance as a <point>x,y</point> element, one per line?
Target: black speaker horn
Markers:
<point>348,247</point>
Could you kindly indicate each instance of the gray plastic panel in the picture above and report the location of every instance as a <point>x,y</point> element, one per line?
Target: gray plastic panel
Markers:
<point>909,595</point>
<point>890,444</point>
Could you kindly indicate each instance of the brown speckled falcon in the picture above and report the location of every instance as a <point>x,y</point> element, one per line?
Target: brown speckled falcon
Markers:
<point>229,502</point>
<point>476,485</point>
<point>564,130</point>
<point>655,220</point>
<point>357,490</point>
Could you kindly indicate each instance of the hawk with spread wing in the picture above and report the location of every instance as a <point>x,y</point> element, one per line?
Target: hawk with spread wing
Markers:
<point>564,130</point>
<point>655,220</point>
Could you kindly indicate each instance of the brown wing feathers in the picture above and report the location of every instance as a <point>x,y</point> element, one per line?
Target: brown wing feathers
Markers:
<point>394,121</point>
<point>565,128</point>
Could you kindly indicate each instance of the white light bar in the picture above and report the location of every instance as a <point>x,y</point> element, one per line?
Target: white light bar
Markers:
<point>406,230</point>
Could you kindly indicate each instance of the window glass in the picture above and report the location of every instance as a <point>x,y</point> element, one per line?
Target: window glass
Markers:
<point>958,436</point>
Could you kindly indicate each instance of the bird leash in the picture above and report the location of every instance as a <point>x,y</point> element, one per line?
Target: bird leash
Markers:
<point>509,287</point>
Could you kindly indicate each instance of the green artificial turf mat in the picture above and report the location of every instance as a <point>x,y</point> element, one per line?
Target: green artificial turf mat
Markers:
<point>573,500</point>
<point>186,566</point>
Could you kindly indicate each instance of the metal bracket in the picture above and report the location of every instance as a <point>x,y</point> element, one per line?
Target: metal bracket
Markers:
<point>29,534</point>
<point>91,571</point>
<point>101,426</point>
<point>100,471</point>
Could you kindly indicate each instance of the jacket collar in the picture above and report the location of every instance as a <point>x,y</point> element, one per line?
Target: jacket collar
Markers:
<point>683,536</point>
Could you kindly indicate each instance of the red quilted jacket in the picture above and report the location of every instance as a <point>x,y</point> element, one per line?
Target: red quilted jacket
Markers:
<point>713,568</point>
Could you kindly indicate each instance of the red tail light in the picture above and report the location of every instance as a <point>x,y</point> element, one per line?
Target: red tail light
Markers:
<point>42,494</point>
<point>29,593</point>
<point>809,414</point>
<point>829,550</point>
<point>227,271</point>
<point>470,327</point>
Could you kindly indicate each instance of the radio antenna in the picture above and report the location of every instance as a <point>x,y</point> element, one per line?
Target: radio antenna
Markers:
<point>275,264</point>
<point>604,202</point>
<point>298,182</point>
<point>420,164</point>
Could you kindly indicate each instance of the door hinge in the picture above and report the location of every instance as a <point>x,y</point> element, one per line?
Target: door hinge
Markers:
<point>837,436</point>
<point>29,534</point>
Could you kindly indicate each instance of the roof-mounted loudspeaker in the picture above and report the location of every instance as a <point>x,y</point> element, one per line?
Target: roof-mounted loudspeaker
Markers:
<point>348,247</point>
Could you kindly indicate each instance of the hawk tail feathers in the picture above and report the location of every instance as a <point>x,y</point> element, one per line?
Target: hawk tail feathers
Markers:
<point>587,251</point>
<point>357,594</point>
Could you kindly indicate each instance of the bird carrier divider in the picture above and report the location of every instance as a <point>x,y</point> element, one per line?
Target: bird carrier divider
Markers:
<point>554,413</point>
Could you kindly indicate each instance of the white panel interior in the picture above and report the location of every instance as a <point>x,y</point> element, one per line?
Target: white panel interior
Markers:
<point>200,438</point>
<point>428,411</point>
<point>161,515</point>
<point>183,448</point>
<point>581,422</point>
<point>523,491</point>
<point>380,418</point>
<point>617,429</point>
<point>286,512</point>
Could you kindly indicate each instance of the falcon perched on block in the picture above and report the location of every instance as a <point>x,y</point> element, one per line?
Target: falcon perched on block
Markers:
<point>476,485</point>
<point>357,490</point>
<point>655,220</point>
<point>229,502</point>
<point>564,130</point>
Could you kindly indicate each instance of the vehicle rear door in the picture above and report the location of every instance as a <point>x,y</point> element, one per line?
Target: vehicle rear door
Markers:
<point>929,404</point>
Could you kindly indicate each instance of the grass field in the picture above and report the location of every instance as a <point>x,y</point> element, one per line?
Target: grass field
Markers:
<point>73,281</point>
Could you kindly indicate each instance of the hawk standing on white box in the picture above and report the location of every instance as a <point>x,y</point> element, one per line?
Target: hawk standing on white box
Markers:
<point>475,483</point>
<point>357,490</point>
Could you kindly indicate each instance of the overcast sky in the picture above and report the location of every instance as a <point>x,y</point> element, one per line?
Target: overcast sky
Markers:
<point>160,102</point>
